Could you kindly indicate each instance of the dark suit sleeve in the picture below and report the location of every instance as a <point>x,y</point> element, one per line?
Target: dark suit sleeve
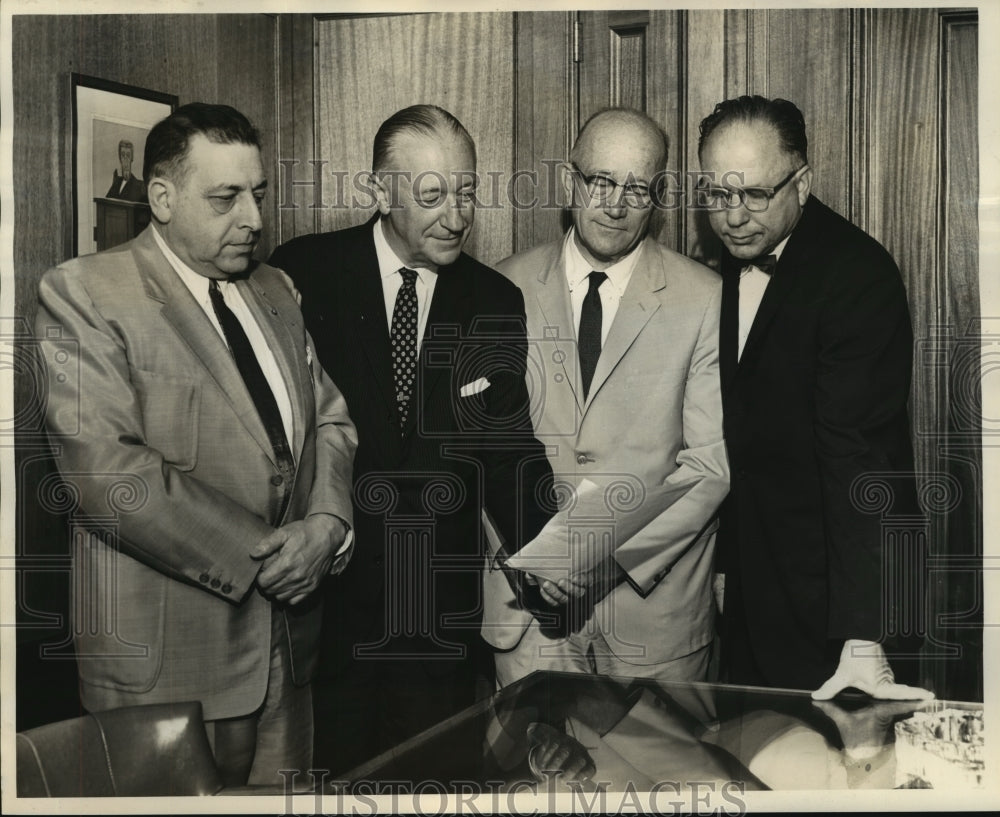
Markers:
<point>518,490</point>
<point>289,259</point>
<point>862,386</point>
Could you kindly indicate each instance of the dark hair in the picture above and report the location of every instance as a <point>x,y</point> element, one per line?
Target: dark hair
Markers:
<point>168,142</point>
<point>124,143</point>
<point>781,114</point>
<point>426,120</point>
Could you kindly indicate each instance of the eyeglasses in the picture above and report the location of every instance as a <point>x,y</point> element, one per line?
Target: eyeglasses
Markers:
<point>604,189</point>
<point>755,199</point>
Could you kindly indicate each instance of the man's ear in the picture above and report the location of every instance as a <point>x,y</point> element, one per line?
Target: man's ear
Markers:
<point>803,185</point>
<point>567,181</point>
<point>379,189</point>
<point>162,194</point>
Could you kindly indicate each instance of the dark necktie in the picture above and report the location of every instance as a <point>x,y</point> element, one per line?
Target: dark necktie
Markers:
<point>403,335</point>
<point>589,338</point>
<point>253,377</point>
<point>765,263</point>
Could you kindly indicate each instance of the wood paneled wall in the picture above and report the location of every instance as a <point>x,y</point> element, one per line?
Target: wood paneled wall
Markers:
<point>367,68</point>
<point>207,58</point>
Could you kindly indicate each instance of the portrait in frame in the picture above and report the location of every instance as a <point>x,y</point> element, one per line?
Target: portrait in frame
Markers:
<point>110,124</point>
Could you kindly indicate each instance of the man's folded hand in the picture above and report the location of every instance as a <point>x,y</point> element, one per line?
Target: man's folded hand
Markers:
<point>297,556</point>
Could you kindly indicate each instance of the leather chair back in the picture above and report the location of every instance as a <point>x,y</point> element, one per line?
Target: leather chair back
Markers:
<point>135,751</point>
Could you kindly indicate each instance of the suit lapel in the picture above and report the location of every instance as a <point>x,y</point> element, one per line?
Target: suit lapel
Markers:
<point>552,295</point>
<point>636,308</point>
<point>281,341</point>
<point>729,320</point>
<point>193,326</point>
<point>774,295</point>
<point>365,293</point>
<point>790,265</point>
<point>449,314</point>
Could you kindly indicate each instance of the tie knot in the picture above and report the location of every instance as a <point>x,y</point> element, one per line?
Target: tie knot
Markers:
<point>409,276</point>
<point>596,279</point>
<point>765,263</point>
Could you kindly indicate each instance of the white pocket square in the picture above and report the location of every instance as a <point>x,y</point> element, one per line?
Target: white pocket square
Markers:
<point>476,386</point>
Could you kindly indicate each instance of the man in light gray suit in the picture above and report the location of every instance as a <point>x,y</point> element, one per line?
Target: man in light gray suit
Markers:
<point>210,455</point>
<point>627,346</point>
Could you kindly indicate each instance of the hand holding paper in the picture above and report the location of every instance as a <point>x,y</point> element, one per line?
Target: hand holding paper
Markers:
<point>575,549</point>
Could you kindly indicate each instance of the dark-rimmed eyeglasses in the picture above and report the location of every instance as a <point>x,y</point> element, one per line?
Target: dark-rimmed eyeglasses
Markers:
<point>755,199</point>
<point>604,190</point>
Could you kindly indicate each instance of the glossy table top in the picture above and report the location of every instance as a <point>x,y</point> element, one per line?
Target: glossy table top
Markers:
<point>587,733</point>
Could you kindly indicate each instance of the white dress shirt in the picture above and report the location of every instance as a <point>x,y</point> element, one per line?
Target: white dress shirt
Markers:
<point>389,265</point>
<point>198,286</point>
<point>753,282</point>
<point>611,291</point>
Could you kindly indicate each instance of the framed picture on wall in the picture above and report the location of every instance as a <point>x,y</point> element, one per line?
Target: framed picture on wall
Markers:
<point>110,124</point>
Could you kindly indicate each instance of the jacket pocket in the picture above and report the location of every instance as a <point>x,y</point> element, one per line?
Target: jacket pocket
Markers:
<point>118,622</point>
<point>169,404</point>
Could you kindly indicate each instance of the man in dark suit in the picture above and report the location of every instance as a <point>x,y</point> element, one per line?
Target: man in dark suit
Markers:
<point>815,354</point>
<point>124,185</point>
<point>429,348</point>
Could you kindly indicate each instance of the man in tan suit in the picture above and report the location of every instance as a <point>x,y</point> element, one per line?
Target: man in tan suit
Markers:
<point>625,338</point>
<point>208,452</point>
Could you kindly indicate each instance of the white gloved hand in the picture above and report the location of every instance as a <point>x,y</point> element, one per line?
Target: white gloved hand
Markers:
<point>863,665</point>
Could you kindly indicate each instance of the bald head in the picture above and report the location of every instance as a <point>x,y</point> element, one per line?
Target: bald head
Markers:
<point>605,133</point>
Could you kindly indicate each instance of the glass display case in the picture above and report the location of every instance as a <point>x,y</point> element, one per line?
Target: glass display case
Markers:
<point>566,732</point>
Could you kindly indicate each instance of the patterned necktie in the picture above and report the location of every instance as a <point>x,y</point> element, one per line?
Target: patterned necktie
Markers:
<point>589,339</point>
<point>404,343</point>
<point>253,376</point>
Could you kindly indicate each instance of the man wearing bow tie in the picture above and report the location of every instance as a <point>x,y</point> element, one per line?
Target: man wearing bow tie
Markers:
<point>815,353</point>
<point>428,346</point>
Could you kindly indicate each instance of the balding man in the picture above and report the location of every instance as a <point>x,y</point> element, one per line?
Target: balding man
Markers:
<point>435,376</point>
<point>626,336</point>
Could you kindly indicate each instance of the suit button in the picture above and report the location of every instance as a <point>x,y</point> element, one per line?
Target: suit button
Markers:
<point>216,583</point>
<point>581,459</point>
<point>741,474</point>
<point>277,479</point>
<point>203,578</point>
<point>227,589</point>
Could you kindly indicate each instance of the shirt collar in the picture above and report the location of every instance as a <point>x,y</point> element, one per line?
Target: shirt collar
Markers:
<point>777,251</point>
<point>388,262</point>
<point>578,267</point>
<point>198,284</point>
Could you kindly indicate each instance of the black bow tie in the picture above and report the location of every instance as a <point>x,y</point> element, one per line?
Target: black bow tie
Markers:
<point>765,263</point>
